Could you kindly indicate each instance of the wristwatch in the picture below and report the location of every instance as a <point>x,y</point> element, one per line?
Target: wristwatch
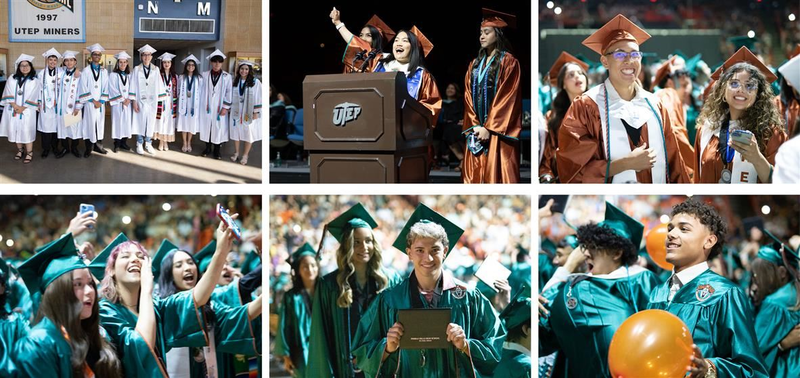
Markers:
<point>712,370</point>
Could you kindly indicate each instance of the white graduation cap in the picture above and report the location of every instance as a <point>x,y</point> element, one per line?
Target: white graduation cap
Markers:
<point>791,72</point>
<point>51,52</point>
<point>95,48</point>
<point>216,53</point>
<point>25,58</point>
<point>247,62</point>
<point>166,57</point>
<point>147,49</point>
<point>69,54</point>
<point>191,57</point>
<point>122,55</point>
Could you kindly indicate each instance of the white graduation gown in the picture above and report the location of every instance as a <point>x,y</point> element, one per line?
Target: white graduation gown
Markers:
<point>189,104</point>
<point>213,126</point>
<point>121,115</point>
<point>22,127</point>
<point>243,126</point>
<point>146,92</point>
<point>68,89</point>
<point>166,124</point>
<point>94,119</point>
<point>48,100</point>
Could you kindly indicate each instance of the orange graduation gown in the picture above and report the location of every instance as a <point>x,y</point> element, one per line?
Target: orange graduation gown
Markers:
<point>671,100</point>
<point>581,148</point>
<point>547,165</point>
<point>788,116</point>
<point>504,123</point>
<point>710,163</point>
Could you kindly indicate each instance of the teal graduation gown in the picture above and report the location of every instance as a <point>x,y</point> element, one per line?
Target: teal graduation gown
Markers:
<point>513,364</point>
<point>294,328</point>
<point>43,352</point>
<point>774,320</point>
<point>470,309</point>
<point>12,328</point>
<point>178,324</point>
<point>546,270</point>
<point>19,297</point>
<point>329,354</point>
<point>586,311</point>
<point>721,320</point>
<point>238,338</point>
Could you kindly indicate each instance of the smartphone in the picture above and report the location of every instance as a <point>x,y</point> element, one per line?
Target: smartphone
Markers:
<point>741,136</point>
<point>87,208</point>
<point>225,216</point>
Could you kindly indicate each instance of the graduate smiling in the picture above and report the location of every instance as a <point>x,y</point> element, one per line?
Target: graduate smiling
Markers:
<point>716,311</point>
<point>474,331</point>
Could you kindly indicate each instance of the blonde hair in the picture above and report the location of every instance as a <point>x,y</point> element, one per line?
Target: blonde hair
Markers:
<point>427,230</point>
<point>344,258</point>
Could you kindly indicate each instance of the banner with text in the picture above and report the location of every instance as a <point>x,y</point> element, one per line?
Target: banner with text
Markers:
<point>47,21</point>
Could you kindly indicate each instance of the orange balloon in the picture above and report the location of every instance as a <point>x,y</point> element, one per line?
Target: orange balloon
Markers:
<point>650,343</point>
<point>657,246</point>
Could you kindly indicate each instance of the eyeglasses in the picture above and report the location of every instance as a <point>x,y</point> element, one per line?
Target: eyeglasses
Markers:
<point>750,86</point>
<point>622,55</point>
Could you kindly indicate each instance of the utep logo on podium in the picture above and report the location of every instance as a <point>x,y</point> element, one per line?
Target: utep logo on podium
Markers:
<point>345,112</point>
<point>53,4</point>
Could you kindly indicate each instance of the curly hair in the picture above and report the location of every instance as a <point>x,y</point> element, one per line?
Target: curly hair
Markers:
<point>709,217</point>
<point>761,118</point>
<point>604,239</point>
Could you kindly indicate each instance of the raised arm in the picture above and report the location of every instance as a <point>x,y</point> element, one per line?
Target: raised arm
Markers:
<point>202,292</point>
<point>336,20</point>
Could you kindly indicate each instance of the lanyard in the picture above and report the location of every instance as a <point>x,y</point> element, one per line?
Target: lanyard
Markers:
<point>727,156</point>
<point>482,73</point>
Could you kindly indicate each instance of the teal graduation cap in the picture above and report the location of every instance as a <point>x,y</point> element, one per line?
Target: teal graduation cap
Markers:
<point>304,250</point>
<point>163,250</point>
<point>518,311</point>
<point>623,224</point>
<point>772,252</point>
<point>6,271</point>
<point>425,214</point>
<point>251,262</point>
<point>98,265</point>
<point>53,260</point>
<point>744,41</point>
<point>355,217</point>
<point>572,241</point>
<point>548,246</point>
<point>203,256</point>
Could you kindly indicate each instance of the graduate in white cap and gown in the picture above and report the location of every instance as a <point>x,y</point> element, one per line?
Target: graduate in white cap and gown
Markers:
<point>68,86</point>
<point>215,105</point>
<point>168,107</point>
<point>245,120</point>
<point>48,103</point>
<point>21,102</point>
<point>146,90</point>
<point>120,101</point>
<point>189,89</point>
<point>94,95</point>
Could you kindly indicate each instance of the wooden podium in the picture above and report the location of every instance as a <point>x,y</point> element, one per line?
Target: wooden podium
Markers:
<point>365,128</point>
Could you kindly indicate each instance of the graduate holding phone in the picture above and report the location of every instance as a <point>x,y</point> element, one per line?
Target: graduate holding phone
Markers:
<point>741,128</point>
<point>475,331</point>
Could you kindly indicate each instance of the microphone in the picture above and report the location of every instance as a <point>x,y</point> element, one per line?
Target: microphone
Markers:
<point>359,56</point>
<point>370,56</point>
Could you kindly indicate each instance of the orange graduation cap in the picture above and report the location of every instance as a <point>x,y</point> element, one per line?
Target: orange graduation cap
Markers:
<point>795,52</point>
<point>563,59</point>
<point>427,46</point>
<point>384,29</point>
<point>746,56</point>
<point>664,70</point>
<point>493,18</point>
<point>709,88</point>
<point>618,29</point>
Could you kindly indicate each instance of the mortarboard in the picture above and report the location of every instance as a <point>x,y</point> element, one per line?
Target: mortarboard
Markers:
<point>495,19</point>
<point>665,70</point>
<point>216,53</point>
<point>166,57</point>
<point>623,224</point>
<point>355,217</point>
<point>743,41</point>
<point>147,49</point>
<point>55,259</point>
<point>192,58</point>
<point>562,60</point>
<point>791,72</point>
<point>163,250</point>
<point>122,55</point>
<point>203,256</point>
<point>572,241</point>
<point>305,249</point>
<point>744,55</point>
<point>548,246</point>
<point>518,311</point>
<point>424,214</point>
<point>618,29</point>
<point>426,44</point>
<point>98,265</point>
<point>24,58</point>
<point>384,29</point>
<point>51,52</point>
<point>69,54</point>
<point>252,261</point>
<point>95,48</point>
